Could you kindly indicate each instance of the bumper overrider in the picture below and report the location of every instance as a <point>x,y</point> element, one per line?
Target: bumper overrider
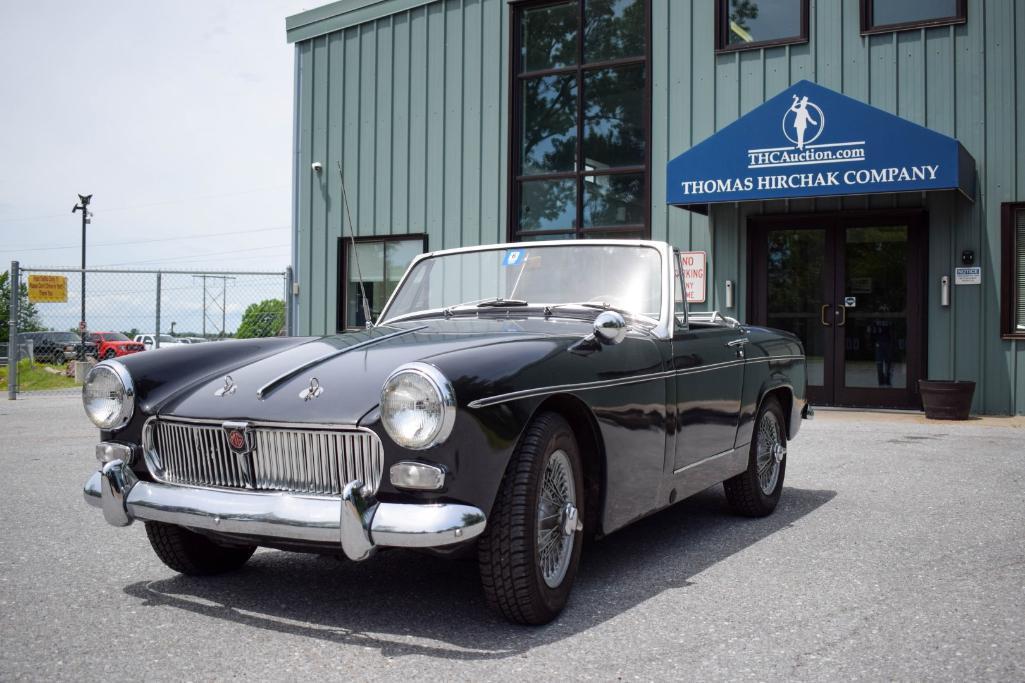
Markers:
<point>356,522</point>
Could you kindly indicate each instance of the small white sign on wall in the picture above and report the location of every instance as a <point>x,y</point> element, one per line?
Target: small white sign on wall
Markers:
<point>695,271</point>
<point>968,276</point>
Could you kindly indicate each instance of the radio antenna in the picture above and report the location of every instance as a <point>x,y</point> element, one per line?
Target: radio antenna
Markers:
<point>355,254</point>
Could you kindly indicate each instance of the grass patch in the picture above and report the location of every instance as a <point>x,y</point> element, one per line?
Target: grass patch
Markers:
<point>37,377</point>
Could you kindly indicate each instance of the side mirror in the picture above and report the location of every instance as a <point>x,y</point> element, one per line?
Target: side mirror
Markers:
<point>609,328</point>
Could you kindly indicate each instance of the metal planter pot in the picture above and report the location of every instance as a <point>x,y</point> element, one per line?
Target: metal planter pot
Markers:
<point>946,399</point>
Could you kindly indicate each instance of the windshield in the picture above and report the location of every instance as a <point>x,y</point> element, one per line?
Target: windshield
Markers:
<point>625,277</point>
<point>113,336</point>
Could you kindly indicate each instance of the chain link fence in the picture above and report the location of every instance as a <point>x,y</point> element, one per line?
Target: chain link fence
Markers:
<point>56,339</point>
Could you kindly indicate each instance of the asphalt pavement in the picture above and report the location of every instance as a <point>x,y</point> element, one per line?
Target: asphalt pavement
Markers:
<point>897,552</point>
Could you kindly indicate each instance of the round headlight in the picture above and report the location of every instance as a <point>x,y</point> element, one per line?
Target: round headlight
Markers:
<point>108,395</point>
<point>418,406</point>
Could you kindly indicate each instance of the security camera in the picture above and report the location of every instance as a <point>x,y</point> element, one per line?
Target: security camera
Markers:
<point>317,166</point>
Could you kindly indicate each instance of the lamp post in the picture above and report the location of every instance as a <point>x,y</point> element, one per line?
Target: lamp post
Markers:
<point>83,206</point>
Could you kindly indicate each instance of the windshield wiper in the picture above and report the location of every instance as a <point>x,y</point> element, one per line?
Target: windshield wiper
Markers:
<point>448,311</point>
<point>501,303</point>
<point>599,306</point>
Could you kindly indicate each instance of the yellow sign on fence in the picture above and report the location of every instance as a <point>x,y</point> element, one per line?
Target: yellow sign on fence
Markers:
<point>47,289</point>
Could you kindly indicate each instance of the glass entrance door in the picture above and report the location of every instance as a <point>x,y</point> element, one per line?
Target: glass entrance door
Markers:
<point>871,317</point>
<point>850,289</point>
<point>799,278</point>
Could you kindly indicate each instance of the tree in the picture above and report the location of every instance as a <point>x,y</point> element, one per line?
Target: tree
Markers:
<point>28,315</point>
<point>265,319</point>
<point>742,11</point>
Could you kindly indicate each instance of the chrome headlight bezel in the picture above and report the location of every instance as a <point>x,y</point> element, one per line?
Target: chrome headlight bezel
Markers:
<point>446,398</point>
<point>126,408</point>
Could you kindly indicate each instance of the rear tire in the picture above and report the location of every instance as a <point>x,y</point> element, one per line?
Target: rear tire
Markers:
<point>527,560</point>
<point>193,554</point>
<point>756,491</point>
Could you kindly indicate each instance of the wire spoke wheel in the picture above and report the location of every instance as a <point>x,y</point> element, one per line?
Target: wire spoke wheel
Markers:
<point>530,550</point>
<point>556,504</point>
<point>771,450</point>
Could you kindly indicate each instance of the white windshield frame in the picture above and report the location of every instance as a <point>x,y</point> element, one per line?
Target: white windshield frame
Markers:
<point>664,326</point>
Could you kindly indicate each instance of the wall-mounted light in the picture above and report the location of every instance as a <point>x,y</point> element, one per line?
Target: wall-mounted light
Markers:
<point>317,166</point>
<point>729,294</point>
<point>945,290</point>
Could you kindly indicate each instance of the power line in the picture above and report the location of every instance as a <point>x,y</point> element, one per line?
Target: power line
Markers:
<point>162,239</point>
<point>194,256</point>
<point>147,206</point>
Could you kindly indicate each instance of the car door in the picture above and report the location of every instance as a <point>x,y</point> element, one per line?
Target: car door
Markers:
<point>708,365</point>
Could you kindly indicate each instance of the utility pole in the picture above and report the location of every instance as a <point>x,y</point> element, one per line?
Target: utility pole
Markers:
<point>83,206</point>
<point>213,298</point>
<point>224,299</point>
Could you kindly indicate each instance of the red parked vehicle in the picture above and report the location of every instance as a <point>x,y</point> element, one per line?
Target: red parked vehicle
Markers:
<point>114,344</point>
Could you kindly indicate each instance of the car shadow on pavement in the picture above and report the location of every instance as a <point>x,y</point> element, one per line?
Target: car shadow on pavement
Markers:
<point>403,603</point>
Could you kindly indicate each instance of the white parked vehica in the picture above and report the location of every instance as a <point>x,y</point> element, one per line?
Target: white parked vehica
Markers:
<point>149,340</point>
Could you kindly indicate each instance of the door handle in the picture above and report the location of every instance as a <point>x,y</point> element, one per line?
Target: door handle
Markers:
<point>843,320</point>
<point>737,343</point>
<point>822,316</point>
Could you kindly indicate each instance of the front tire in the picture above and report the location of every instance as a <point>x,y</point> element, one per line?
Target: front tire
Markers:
<point>530,550</point>
<point>109,354</point>
<point>756,491</point>
<point>193,554</point>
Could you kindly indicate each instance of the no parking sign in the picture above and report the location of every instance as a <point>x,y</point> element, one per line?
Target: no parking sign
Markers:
<point>695,271</point>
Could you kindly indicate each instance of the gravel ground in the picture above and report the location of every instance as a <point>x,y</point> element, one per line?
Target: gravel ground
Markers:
<point>897,552</point>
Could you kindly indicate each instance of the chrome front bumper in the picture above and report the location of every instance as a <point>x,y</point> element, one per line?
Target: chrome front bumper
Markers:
<point>355,522</point>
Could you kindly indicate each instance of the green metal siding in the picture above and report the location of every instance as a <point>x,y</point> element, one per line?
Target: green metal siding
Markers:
<point>412,104</point>
<point>413,98</point>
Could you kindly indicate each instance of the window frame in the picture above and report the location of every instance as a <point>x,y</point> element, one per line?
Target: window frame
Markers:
<point>514,178</point>
<point>1008,295</point>
<point>723,46</point>
<point>343,275</point>
<point>868,28</point>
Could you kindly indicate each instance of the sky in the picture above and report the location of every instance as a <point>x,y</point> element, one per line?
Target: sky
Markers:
<point>175,115</point>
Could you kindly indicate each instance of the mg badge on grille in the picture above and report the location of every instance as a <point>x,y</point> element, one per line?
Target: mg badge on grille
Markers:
<point>237,440</point>
<point>240,441</point>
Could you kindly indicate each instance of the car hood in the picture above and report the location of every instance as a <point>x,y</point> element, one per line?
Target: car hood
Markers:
<point>351,368</point>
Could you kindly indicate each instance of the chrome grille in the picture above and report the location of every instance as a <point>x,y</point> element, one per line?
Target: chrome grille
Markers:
<point>298,459</point>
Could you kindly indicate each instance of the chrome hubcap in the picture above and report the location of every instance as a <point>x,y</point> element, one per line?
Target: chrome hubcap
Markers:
<point>771,451</point>
<point>557,519</point>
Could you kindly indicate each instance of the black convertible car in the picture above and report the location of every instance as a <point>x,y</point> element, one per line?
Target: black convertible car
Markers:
<point>509,400</point>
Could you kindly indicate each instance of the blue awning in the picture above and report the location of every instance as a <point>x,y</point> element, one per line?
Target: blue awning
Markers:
<point>809,141</point>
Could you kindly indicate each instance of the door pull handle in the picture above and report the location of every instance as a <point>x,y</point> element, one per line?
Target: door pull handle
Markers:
<point>843,319</point>
<point>822,316</point>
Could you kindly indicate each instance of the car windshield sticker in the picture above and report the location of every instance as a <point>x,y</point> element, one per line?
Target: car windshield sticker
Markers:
<point>514,257</point>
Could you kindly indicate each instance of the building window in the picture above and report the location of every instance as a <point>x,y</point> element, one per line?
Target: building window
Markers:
<point>580,112</point>
<point>898,15</point>
<point>382,261</point>
<point>1012,300</point>
<point>750,24</point>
